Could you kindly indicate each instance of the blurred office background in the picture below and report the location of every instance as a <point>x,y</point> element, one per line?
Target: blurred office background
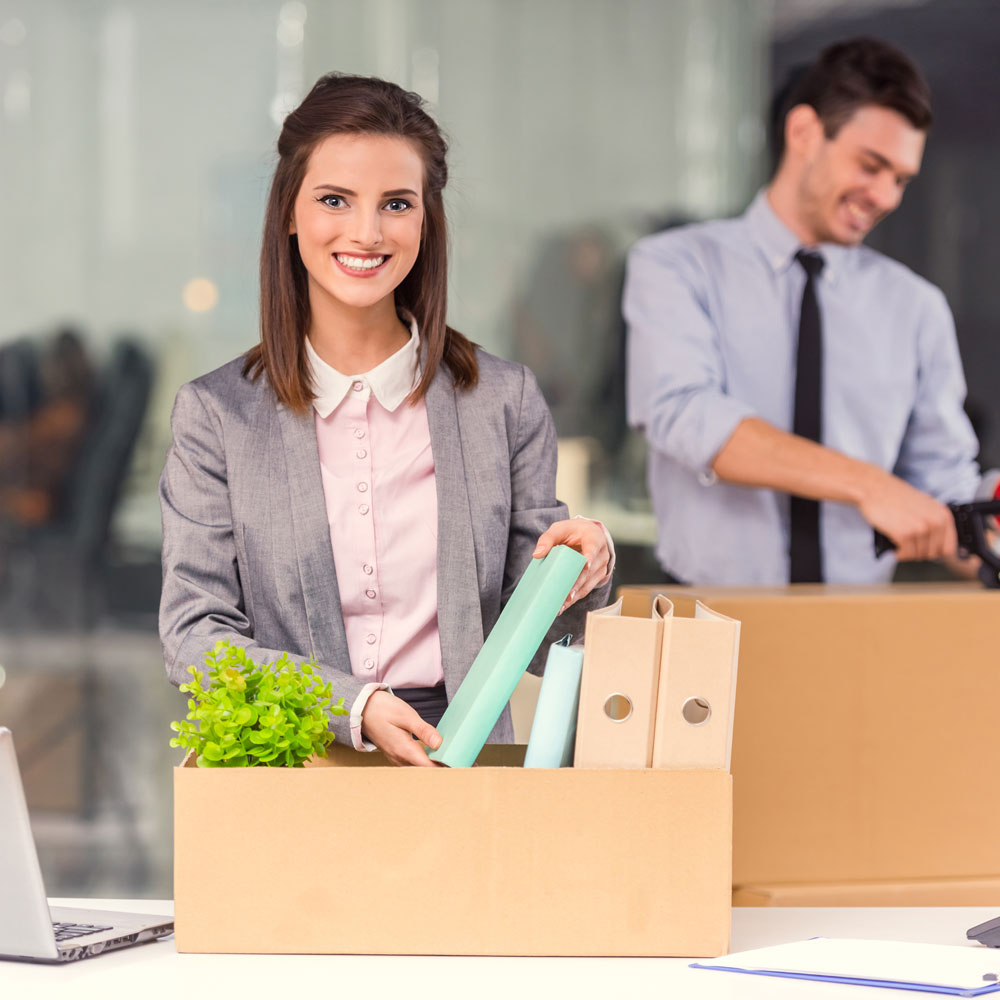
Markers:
<point>136,146</point>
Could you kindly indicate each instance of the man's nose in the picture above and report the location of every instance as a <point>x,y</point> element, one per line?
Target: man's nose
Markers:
<point>886,192</point>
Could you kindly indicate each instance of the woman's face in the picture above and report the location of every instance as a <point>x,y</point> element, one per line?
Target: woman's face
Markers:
<point>358,217</point>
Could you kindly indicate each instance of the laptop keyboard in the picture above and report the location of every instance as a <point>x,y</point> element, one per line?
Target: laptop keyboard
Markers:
<point>65,931</point>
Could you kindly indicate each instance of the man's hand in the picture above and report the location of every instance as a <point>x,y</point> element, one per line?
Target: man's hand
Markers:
<point>588,539</point>
<point>758,454</point>
<point>921,527</point>
<point>391,725</point>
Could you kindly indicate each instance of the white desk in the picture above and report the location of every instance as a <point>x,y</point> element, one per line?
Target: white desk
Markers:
<point>152,971</point>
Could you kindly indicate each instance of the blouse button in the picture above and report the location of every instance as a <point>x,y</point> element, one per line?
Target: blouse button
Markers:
<point>362,487</point>
<point>363,508</point>
<point>361,453</point>
<point>358,386</point>
<point>359,433</point>
<point>369,663</point>
<point>368,569</point>
<point>370,639</point>
<point>370,594</point>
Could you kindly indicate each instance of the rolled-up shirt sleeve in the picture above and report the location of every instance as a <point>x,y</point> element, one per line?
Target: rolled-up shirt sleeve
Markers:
<point>676,389</point>
<point>938,453</point>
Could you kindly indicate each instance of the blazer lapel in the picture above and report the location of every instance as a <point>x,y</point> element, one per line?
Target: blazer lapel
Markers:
<point>311,530</point>
<point>460,622</point>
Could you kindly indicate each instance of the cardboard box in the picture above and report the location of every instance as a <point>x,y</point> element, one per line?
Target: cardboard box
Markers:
<point>490,860</point>
<point>865,741</point>
<point>913,892</point>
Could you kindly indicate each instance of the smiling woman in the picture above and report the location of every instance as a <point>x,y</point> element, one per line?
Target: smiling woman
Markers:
<point>358,219</point>
<point>326,148</point>
<point>364,486</point>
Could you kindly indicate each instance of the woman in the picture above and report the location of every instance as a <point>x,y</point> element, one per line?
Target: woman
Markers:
<point>364,485</point>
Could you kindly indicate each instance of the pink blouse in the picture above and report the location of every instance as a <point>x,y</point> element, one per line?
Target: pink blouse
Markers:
<point>381,502</point>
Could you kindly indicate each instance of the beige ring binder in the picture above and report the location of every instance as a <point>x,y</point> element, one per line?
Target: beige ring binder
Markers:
<point>678,674</point>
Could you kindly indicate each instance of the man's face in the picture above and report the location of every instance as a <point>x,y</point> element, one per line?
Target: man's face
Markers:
<point>851,182</point>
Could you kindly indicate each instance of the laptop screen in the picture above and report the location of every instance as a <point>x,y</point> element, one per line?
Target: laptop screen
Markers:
<point>25,924</point>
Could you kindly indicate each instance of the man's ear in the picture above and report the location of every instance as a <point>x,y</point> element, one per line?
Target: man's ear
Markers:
<point>803,130</point>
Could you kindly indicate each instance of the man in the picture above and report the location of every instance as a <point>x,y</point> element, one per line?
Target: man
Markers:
<point>798,389</point>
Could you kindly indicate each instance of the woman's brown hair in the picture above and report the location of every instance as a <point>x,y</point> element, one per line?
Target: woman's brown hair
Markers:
<point>353,105</point>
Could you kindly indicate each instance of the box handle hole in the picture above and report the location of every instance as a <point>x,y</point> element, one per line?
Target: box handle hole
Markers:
<point>696,711</point>
<point>618,707</point>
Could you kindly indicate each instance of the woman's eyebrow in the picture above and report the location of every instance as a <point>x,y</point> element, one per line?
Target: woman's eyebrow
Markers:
<point>395,193</point>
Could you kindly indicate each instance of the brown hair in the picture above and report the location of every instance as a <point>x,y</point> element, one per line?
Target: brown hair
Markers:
<point>849,75</point>
<point>353,105</point>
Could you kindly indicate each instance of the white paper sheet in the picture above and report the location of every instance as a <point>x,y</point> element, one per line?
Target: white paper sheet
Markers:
<point>954,967</point>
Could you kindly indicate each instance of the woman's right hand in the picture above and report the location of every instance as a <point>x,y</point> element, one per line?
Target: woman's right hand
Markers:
<point>391,725</point>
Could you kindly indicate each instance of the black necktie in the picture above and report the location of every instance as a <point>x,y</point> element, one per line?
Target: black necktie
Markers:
<point>804,544</point>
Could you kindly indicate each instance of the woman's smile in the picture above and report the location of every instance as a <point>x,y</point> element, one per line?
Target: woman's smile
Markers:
<point>361,265</point>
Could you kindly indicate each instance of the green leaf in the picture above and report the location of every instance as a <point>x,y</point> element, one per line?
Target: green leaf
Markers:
<point>241,713</point>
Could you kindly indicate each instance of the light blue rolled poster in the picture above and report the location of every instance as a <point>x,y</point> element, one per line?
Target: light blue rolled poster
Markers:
<point>553,731</point>
<point>519,631</point>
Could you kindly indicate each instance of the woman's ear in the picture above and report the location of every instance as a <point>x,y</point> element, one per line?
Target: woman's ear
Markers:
<point>291,226</point>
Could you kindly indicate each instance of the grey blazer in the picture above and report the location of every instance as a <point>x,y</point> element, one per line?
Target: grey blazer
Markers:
<point>246,542</point>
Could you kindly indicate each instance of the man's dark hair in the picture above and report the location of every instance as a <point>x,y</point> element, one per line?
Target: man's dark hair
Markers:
<point>846,76</point>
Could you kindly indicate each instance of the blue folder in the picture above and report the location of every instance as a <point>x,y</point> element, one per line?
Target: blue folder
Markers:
<point>553,731</point>
<point>973,970</point>
<point>509,648</point>
<point>953,991</point>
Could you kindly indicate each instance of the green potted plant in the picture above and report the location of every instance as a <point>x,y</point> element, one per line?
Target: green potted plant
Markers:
<point>249,715</point>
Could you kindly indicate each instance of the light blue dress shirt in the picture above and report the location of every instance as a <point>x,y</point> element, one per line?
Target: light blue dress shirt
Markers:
<point>712,313</point>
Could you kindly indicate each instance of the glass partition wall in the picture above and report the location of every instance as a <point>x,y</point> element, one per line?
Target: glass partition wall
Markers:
<point>136,146</point>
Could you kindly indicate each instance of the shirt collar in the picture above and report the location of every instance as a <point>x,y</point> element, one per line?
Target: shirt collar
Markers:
<point>390,382</point>
<point>780,245</point>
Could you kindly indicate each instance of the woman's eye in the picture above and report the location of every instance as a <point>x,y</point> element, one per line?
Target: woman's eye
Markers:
<point>397,205</point>
<point>332,201</point>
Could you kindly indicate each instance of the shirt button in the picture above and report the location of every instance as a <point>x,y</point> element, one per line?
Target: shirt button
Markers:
<point>370,594</point>
<point>370,639</point>
<point>368,569</point>
<point>362,487</point>
<point>369,663</point>
<point>358,386</point>
<point>363,508</point>
<point>361,453</point>
<point>359,433</point>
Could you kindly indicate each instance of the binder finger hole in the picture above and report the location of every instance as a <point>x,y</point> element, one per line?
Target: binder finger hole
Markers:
<point>618,707</point>
<point>696,711</point>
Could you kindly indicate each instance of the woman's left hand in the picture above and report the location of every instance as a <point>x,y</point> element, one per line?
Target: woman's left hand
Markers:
<point>589,539</point>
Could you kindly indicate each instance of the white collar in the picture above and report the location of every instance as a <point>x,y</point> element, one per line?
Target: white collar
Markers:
<point>390,382</point>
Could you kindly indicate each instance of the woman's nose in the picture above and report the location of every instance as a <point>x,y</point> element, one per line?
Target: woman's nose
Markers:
<point>367,231</point>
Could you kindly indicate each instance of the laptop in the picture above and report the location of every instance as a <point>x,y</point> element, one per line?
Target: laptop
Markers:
<point>30,930</point>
